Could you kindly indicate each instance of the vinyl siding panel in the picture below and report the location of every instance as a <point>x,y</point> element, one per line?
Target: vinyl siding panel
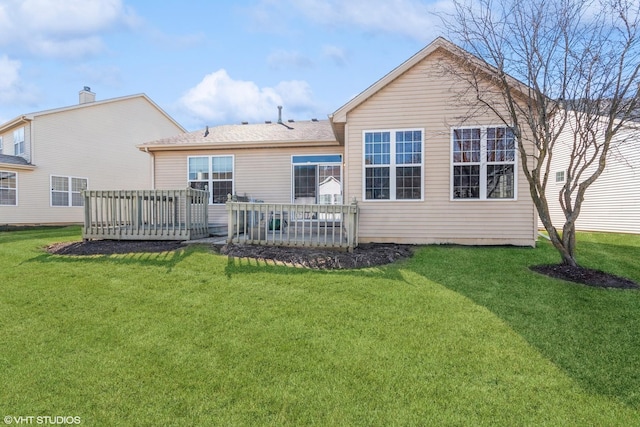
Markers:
<point>612,203</point>
<point>97,142</point>
<point>425,98</point>
<point>259,173</point>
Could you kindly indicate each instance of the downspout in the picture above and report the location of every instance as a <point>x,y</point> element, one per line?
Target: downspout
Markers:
<point>153,167</point>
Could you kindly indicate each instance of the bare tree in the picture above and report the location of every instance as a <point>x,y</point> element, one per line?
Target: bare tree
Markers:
<point>577,63</point>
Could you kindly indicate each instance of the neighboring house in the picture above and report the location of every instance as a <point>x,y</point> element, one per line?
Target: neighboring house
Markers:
<point>421,170</point>
<point>612,202</point>
<point>47,158</point>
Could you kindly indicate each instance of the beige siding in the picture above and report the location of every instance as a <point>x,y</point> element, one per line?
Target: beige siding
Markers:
<point>612,203</point>
<point>424,98</point>
<point>263,174</point>
<point>97,142</point>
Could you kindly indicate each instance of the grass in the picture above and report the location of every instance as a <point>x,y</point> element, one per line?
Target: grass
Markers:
<point>454,336</point>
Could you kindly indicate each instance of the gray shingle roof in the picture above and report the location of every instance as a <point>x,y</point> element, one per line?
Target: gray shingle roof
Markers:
<point>305,131</point>
<point>13,160</point>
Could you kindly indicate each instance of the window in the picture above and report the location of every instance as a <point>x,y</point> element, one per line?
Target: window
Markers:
<point>0,145</point>
<point>560,176</point>
<point>393,167</point>
<point>67,191</point>
<point>8,188</point>
<point>213,174</point>
<point>317,179</point>
<point>484,163</point>
<point>18,141</point>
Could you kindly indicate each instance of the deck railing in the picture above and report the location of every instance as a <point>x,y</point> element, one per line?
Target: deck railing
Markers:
<point>334,226</point>
<point>145,214</point>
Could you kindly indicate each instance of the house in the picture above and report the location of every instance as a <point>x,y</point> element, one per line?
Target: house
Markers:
<point>47,158</point>
<point>612,202</point>
<point>420,168</point>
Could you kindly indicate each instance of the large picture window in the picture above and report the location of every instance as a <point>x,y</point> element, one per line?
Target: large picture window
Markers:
<point>67,190</point>
<point>484,163</point>
<point>213,174</point>
<point>8,188</point>
<point>393,165</point>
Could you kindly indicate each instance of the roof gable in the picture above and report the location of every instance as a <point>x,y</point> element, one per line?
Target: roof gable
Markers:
<point>31,116</point>
<point>339,117</point>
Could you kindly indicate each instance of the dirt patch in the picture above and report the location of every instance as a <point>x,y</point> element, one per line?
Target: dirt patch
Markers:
<point>366,255</point>
<point>585,276</point>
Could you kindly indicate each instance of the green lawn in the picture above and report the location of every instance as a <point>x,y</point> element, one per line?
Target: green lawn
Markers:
<point>454,336</point>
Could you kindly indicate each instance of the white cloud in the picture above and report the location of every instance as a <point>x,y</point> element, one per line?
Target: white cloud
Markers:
<point>336,54</point>
<point>12,90</point>
<point>411,18</point>
<point>55,28</point>
<point>281,59</point>
<point>218,99</point>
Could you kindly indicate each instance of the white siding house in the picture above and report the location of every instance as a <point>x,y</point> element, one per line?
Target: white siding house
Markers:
<point>612,202</point>
<point>48,157</point>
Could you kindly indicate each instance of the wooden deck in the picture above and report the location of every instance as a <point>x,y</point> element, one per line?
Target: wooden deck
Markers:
<point>333,226</point>
<point>145,214</point>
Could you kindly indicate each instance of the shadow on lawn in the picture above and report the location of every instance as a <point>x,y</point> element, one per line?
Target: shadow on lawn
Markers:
<point>590,333</point>
<point>168,259</point>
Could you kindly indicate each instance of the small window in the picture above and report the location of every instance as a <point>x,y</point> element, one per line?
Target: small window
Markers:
<point>213,174</point>
<point>8,188</point>
<point>560,176</point>
<point>67,191</point>
<point>0,145</point>
<point>18,142</point>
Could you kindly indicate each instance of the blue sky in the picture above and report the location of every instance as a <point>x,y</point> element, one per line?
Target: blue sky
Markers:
<point>207,62</point>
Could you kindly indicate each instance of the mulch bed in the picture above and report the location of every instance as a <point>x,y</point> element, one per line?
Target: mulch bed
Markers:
<point>366,255</point>
<point>585,276</point>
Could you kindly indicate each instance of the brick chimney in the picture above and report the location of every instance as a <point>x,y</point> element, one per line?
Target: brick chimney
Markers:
<point>86,95</point>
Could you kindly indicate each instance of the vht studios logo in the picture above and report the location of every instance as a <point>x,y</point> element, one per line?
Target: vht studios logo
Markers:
<point>42,420</point>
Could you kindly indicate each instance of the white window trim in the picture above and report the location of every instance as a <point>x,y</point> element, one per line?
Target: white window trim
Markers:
<point>392,167</point>
<point>210,173</point>
<point>341,163</point>
<point>16,143</point>
<point>17,186</point>
<point>560,182</point>
<point>69,191</point>
<point>483,166</point>
<point>1,141</point>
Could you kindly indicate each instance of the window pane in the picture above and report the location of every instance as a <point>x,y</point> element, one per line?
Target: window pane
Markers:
<point>408,148</point>
<point>329,185</point>
<point>7,197</point>
<point>500,145</point>
<point>59,183</point>
<point>221,189</point>
<point>466,145</point>
<point>59,198</point>
<point>198,168</point>
<point>466,182</point>
<point>78,184</point>
<point>408,182</point>
<point>304,183</point>
<point>500,182</point>
<point>377,183</point>
<point>377,148</point>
